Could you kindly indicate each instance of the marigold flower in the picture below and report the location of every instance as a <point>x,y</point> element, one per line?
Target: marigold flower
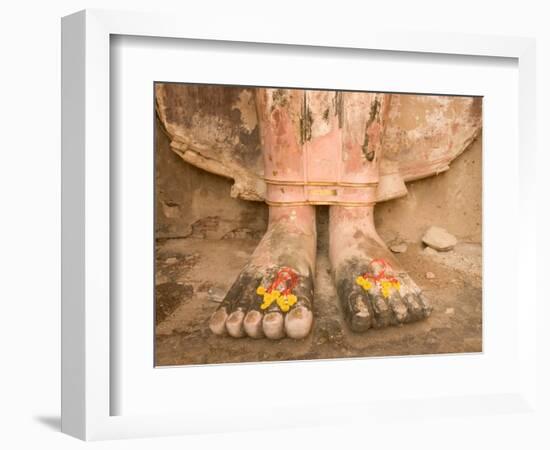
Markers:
<point>363,282</point>
<point>386,284</point>
<point>284,299</point>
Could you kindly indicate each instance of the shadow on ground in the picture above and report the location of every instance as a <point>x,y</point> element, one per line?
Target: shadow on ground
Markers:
<point>51,422</point>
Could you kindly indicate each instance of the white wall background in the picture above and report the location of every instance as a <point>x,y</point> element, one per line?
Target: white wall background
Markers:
<point>30,200</point>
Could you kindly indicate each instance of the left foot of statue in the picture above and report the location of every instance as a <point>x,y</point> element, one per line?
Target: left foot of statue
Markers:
<point>373,289</point>
<point>272,296</point>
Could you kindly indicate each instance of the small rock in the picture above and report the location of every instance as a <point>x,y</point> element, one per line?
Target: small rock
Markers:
<point>429,251</point>
<point>450,311</point>
<point>439,239</point>
<point>430,275</point>
<point>171,260</point>
<point>399,248</point>
<point>216,294</point>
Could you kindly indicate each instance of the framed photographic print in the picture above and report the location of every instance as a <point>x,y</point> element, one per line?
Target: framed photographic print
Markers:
<point>271,236</point>
<point>305,247</point>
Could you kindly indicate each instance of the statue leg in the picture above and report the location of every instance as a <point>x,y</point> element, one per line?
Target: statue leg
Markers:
<point>373,288</point>
<point>272,297</point>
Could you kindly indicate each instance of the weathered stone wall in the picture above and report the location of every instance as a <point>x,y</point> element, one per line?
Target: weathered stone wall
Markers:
<point>191,201</point>
<point>452,200</point>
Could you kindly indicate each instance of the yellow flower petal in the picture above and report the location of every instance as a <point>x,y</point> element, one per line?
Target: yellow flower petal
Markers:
<point>386,288</point>
<point>260,290</point>
<point>283,306</point>
<point>292,299</point>
<point>363,282</point>
<point>268,300</point>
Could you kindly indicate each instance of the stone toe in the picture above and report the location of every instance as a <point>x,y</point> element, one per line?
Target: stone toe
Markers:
<point>253,324</point>
<point>217,321</point>
<point>234,324</point>
<point>298,322</point>
<point>273,325</point>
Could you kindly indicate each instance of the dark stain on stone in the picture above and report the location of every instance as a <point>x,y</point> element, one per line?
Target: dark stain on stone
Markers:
<point>279,97</point>
<point>339,108</point>
<point>476,107</point>
<point>256,214</point>
<point>248,149</point>
<point>243,233</point>
<point>170,203</point>
<point>306,121</point>
<point>170,296</point>
<point>195,108</point>
<point>374,111</point>
<point>308,124</point>
<point>184,101</point>
<point>203,227</point>
<point>235,115</point>
<point>365,147</point>
<point>374,115</point>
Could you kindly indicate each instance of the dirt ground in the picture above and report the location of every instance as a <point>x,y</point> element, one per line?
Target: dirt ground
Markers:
<point>193,274</point>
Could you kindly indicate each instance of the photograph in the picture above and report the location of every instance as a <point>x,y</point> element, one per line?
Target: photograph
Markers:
<point>315,224</point>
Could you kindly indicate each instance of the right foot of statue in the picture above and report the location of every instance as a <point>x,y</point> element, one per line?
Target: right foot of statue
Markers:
<point>374,291</point>
<point>272,296</point>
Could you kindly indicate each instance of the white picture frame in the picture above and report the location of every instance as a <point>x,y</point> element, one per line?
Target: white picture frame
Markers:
<point>87,385</point>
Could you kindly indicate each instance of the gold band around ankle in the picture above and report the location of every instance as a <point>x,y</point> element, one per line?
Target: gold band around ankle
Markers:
<point>321,183</point>
<point>313,203</point>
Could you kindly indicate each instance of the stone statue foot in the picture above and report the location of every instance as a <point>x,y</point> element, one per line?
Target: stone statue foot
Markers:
<point>373,289</point>
<point>272,296</point>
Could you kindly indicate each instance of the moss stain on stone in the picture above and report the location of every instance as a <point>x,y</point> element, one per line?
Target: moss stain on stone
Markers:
<point>339,108</point>
<point>279,98</point>
<point>374,115</point>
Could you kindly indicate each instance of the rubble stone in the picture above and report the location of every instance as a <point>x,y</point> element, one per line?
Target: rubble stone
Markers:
<point>399,248</point>
<point>439,239</point>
